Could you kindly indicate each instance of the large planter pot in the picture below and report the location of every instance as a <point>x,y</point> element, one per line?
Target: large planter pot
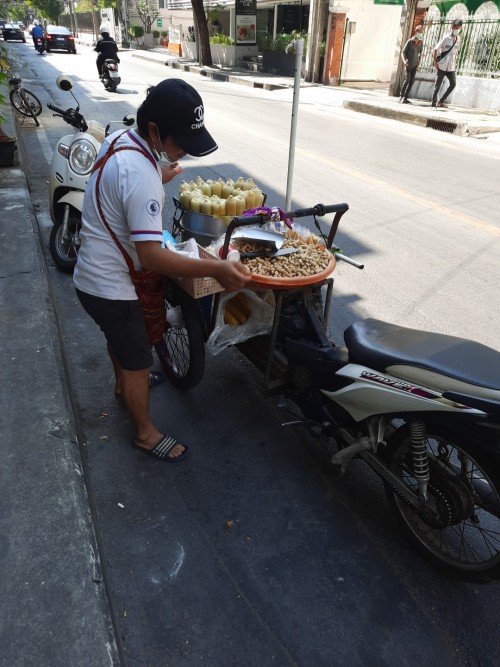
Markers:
<point>8,147</point>
<point>148,39</point>
<point>228,56</point>
<point>282,64</point>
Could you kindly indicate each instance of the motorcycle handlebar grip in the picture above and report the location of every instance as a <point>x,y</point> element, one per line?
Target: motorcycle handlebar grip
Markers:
<point>318,210</point>
<point>53,108</point>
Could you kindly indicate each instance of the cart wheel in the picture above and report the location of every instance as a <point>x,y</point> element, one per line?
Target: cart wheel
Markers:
<point>182,350</point>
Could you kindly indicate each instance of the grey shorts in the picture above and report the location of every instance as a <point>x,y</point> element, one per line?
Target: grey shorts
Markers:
<point>123,325</point>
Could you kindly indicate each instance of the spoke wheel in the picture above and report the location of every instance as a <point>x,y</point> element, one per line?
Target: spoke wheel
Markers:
<point>26,103</point>
<point>64,249</point>
<point>458,528</point>
<point>182,350</point>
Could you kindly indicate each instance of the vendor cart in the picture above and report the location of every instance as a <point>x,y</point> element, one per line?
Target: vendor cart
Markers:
<point>193,304</point>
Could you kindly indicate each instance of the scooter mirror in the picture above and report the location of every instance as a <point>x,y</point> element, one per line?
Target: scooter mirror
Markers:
<point>128,120</point>
<point>64,82</point>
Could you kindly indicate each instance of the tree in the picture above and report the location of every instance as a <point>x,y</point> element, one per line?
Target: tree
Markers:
<point>49,9</point>
<point>148,12</point>
<point>202,36</point>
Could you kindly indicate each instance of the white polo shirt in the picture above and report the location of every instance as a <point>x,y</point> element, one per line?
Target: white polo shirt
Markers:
<point>132,198</point>
<point>447,64</point>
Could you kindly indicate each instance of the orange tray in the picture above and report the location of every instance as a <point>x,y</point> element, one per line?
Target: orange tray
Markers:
<point>270,282</point>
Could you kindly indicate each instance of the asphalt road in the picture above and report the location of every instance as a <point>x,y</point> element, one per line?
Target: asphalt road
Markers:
<point>255,551</point>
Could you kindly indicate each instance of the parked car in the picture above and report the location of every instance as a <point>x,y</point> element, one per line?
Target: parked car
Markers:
<point>13,31</point>
<point>59,37</point>
<point>2,25</point>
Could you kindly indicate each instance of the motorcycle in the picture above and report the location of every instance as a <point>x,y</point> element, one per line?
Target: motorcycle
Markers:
<point>109,76</point>
<point>69,173</point>
<point>421,409</point>
<point>39,45</point>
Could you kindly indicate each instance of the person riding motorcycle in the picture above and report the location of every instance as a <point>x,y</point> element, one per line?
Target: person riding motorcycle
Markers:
<point>106,47</point>
<point>37,33</point>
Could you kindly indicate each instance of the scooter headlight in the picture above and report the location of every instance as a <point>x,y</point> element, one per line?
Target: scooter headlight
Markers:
<point>82,155</point>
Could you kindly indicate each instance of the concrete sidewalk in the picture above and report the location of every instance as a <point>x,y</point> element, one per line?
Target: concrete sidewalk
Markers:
<point>53,604</point>
<point>369,98</point>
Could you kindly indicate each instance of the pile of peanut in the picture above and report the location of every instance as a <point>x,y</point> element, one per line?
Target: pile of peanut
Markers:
<point>312,257</point>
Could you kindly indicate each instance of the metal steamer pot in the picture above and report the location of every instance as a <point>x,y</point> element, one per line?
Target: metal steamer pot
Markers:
<point>203,228</point>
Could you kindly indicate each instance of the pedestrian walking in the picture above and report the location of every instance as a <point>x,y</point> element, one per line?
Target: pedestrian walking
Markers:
<point>122,237</point>
<point>411,55</point>
<point>445,56</point>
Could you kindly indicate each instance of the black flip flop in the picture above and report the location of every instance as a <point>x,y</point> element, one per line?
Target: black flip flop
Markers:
<point>163,448</point>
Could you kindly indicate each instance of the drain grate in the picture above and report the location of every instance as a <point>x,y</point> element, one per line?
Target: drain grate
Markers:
<point>441,125</point>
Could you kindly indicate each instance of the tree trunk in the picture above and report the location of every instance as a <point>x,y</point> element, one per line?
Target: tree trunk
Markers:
<point>201,25</point>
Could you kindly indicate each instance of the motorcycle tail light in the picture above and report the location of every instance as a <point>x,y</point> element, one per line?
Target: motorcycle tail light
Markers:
<point>82,155</point>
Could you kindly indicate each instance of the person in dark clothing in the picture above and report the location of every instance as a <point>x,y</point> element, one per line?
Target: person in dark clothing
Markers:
<point>106,47</point>
<point>411,55</point>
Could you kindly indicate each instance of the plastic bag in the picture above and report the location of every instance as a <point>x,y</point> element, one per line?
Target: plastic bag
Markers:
<point>189,248</point>
<point>260,320</point>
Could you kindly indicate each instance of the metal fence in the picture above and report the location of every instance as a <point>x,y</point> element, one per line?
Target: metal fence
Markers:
<point>479,51</point>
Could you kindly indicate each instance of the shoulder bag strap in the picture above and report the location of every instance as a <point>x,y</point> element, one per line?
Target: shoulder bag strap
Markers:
<point>99,166</point>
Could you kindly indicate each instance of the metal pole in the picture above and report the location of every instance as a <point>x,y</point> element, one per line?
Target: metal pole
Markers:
<point>299,50</point>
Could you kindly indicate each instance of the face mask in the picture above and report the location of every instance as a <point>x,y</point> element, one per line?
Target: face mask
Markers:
<point>161,156</point>
<point>456,32</point>
<point>419,35</point>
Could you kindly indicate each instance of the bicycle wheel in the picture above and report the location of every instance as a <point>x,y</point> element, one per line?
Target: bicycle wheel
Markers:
<point>182,350</point>
<point>26,103</point>
<point>458,528</point>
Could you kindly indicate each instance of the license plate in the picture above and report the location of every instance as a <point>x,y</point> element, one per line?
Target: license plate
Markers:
<point>113,75</point>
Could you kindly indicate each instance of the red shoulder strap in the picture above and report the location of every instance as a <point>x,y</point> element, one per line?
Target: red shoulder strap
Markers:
<point>99,166</point>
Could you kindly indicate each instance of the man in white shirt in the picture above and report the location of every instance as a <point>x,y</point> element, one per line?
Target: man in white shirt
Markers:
<point>130,200</point>
<point>445,56</point>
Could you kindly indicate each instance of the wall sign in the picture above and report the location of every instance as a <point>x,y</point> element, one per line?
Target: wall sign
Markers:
<point>246,21</point>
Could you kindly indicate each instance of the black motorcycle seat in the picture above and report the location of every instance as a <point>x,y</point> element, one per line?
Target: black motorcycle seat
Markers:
<point>379,345</point>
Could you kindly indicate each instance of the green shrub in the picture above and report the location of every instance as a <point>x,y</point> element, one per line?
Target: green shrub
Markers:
<point>282,40</point>
<point>164,33</point>
<point>156,34</point>
<point>222,39</point>
<point>137,31</point>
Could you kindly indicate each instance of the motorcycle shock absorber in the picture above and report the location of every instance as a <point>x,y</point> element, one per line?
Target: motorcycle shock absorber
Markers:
<point>420,457</point>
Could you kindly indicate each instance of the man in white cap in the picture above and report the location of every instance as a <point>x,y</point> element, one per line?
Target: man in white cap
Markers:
<point>125,195</point>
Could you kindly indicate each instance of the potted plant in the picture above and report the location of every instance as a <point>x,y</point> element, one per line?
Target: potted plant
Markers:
<point>8,145</point>
<point>278,54</point>
<point>164,38</point>
<point>138,33</point>
<point>156,36</point>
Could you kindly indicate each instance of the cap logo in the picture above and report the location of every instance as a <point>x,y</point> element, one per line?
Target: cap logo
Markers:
<point>198,117</point>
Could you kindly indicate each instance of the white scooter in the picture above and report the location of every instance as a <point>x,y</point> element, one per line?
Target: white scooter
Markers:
<point>70,171</point>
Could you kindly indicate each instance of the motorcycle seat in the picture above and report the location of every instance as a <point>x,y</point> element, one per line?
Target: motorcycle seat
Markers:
<point>380,345</point>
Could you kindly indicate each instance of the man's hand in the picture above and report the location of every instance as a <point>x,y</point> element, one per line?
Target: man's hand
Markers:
<point>170,171</point>
<point>232,276</point>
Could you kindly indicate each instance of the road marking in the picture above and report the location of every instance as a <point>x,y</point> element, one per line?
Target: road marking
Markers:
<point>401,192</point>
<point>45,145</point>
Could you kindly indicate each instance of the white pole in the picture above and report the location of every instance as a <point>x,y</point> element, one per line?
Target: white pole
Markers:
<point>299,50</point>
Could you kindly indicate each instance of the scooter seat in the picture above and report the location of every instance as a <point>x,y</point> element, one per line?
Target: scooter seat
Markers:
<point>380,345</point>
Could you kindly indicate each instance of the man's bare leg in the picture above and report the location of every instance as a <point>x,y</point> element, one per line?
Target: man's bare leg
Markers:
<point>135,392</point>
<point>118,372</point>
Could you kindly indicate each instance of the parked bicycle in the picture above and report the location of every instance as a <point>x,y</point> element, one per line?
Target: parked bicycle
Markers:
<point>22,99</point>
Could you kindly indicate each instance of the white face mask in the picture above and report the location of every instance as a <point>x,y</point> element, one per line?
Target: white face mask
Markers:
<point>161,156</point>
<point>456,32</point>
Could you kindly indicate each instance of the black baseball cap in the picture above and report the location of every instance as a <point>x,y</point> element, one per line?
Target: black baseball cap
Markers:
<point>177,109</point>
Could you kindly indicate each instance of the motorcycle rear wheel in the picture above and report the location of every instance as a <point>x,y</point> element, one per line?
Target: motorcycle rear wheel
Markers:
<point>182,350</point>
<point>458,530</point>
<point>64,251</point>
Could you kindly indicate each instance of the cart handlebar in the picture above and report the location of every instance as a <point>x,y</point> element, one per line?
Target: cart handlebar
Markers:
<point>317,211</point>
